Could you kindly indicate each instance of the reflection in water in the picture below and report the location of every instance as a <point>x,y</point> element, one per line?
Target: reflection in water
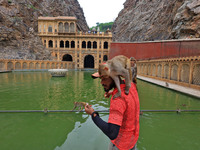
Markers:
<point>72,131</point>
<point>156,97</point>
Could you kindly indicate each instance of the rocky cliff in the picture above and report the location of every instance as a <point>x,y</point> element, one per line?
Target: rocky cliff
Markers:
<point>19,26</point>
<point>148,20</point>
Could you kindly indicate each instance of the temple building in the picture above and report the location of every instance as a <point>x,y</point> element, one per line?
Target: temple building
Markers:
<point>63,37</point>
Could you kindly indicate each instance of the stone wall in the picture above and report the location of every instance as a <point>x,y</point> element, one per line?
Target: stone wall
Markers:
<point>15,64</point>
<point>182,71</point>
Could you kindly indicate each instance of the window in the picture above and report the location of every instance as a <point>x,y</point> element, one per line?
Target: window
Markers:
<point>89,44</point>
<point>44,29</point>
<point>83,44</point>
<point>66,27</point>
<point>67,44</point>
<point>50,29</point>
<point>105,45</point>
<point>60,27</point>
<point>95,45</point>
<point>50,43</point>
<point>72,44</point>
<point>40,28</point>
<point>72,29</point>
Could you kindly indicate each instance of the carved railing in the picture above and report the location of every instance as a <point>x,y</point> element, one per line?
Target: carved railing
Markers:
<point>182,71</point>
<point>17,64</point>
<point>82,34</point>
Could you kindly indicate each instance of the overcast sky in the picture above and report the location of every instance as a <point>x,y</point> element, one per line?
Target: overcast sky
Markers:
<point>101,11</point>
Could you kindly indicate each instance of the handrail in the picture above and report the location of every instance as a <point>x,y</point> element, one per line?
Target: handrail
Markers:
<point>101,111</point>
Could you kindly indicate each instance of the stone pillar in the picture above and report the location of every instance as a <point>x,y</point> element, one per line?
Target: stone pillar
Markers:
<point>14,62</point>
<point>179,71</point>
<point>156,72</point>
<point>191,72</point>
<point>170,70</point>
<point>162,70</point>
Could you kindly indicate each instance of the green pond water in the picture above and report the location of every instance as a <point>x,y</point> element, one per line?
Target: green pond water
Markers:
<point>76,131</point>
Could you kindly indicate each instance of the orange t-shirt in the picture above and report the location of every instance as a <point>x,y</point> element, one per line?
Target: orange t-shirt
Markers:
<point>125,112</point>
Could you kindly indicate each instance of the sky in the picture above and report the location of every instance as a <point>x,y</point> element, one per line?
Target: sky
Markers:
<point>101,11</point>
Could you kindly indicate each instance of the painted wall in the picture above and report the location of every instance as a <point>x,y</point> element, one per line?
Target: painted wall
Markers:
<point>157,49</point>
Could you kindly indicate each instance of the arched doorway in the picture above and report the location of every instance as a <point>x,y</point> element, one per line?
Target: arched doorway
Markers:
<point>67,57</point>
<point>89,61</point>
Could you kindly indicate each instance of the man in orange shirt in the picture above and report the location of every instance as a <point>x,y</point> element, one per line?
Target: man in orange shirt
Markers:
<point>123,122</point>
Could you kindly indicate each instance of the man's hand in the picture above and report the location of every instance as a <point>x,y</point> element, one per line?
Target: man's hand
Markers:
<point>88,109</point>
<point>107,94</point>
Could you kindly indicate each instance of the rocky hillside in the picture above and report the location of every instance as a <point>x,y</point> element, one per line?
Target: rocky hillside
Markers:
<point>148,20</point>
<point>19,27</point>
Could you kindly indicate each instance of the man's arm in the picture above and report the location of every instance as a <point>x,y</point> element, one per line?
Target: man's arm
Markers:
<point>109,129</point>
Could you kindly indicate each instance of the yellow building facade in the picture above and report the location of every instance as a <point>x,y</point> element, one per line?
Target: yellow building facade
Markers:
<point>63,37</point>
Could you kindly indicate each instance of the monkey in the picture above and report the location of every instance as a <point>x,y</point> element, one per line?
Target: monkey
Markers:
<point>45,110</point>
<point>80,105</point>
<point>118,66</point>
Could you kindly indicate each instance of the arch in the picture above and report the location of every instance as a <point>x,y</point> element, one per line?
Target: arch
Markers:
<point>185,72</point>
<point>89,61</point>
<point>66,65</point>
<point>174,72</point>
<point>166,71</point>
<point>95,45</point>
<point>66,25</point>
<point>50,43</point>
<point>72,29</point>
<point>105,58</point>
<point>17,65</point>
<point>50,29</point>
<point>57,65</point>
<point>60,27</point>
<point>67,44</point>
<point>72,44</point>
<point>24,65</point>
<point>31,65</point>
<point>154,70</point>
<point>195,75</point>
<point>83,44</point>
<point>52,65</point>
<point>2,65</point>
<point>61,44</point>
<point>149,69</point>
<point>37,66</point>
<point>88,44</point>
<point>48,65</point>
<point>61,65</point>
<point>67,57</point>
<point>10,66</point>
<point>43,66</point>
<point>105,45</point>
<point>159,70</point>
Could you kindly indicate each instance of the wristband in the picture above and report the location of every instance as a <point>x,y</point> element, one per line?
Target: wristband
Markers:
<point>95,113</point>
